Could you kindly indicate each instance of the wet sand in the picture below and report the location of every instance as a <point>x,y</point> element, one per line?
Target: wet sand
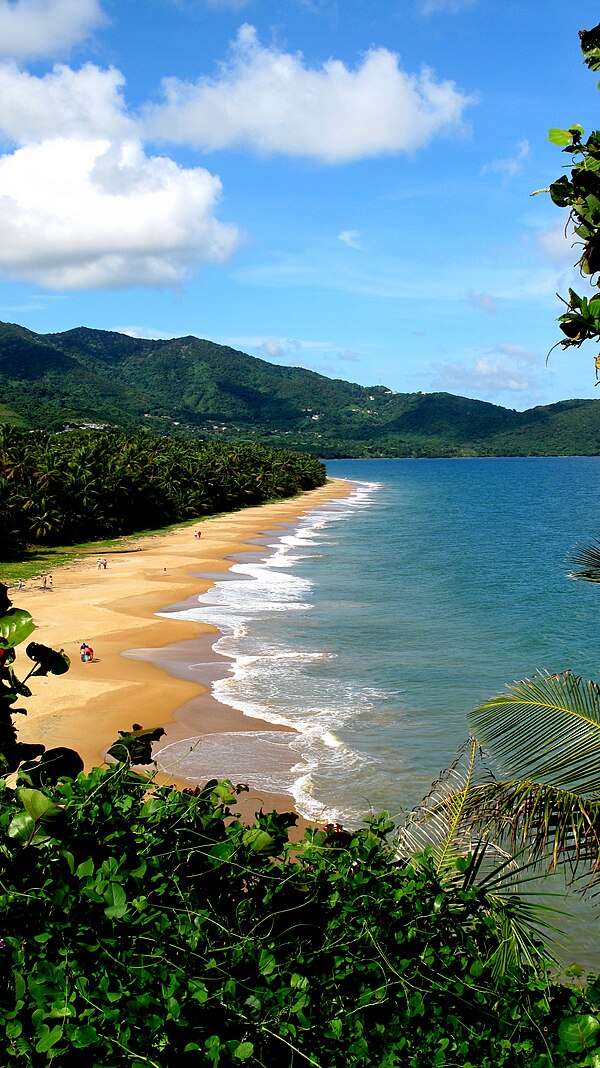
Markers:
<point>140,673</point>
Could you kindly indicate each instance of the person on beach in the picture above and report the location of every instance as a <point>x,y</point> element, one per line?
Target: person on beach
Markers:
<point>44,585</point>
<point>86,653</point>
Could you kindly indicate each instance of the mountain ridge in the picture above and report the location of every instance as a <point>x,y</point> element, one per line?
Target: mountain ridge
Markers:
<point>193,387</point>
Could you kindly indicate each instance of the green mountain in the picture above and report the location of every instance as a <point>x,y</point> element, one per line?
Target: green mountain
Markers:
<point>194,388</point>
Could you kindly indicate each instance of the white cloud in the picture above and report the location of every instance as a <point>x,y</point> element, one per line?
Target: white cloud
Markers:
<point>521,354</point>
<point>508,368</point>
<point>81,204</point>
<point>348,356</point>
<point>350,238</point>
<point>34,28</point>
<point>511,165</point>
<point>63,103</point>
<point>484,301</point>
<point>273,102</point>
<point>278,348</point>
<point>557,245</point>
<point>81,214</point>
<point>450,7</point>
<point>146,333</point>
<point>485,377</point>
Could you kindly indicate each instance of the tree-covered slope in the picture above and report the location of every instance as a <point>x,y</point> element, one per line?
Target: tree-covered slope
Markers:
<point>196,388</point>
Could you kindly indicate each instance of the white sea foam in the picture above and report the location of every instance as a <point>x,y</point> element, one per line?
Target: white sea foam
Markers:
<point>269,682</point>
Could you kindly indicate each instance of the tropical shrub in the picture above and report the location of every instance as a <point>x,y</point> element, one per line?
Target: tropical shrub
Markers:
<point>144,926</point>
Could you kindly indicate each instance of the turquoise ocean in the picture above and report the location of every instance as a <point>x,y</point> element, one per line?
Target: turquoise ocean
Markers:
<point>373,624</point>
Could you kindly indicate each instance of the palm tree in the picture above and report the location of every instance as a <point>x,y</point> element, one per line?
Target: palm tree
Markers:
<point>541,791</point>
<point>543,738</point>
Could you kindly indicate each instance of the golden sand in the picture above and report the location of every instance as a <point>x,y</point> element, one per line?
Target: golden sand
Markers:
<point>113,609</point>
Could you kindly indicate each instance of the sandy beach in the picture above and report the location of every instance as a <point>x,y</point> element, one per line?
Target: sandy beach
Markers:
<point>113,609</point>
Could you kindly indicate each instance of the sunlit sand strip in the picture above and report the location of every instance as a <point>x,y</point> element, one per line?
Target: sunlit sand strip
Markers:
<point>114,611</point>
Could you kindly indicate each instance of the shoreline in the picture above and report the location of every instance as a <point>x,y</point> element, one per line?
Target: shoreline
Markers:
<point>134,677</point>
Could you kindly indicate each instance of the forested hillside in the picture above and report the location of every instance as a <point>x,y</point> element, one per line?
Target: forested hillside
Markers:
<point>196,389</point>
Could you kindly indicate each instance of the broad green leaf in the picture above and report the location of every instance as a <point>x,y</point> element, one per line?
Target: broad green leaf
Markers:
<point>21,826</point>
<point>85,869</point>
<point>15,626</point>
<point>559,137</point>
<point>266,962</point>
<point>116,899</point>
<point>578,1033</point>
<point>243,1051</point>
<point>257,840</point>
<point>49,1039</point>
<point>37,805</point>
<point>49,661</point>
<point>85,1036</point>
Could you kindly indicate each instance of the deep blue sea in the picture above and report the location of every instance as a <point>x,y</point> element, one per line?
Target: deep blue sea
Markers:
<point>374,624</point>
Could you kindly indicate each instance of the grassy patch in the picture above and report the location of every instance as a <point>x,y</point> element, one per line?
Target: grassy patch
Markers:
<point>40,560</point>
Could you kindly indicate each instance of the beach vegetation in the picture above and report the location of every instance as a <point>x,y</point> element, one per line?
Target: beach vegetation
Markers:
<point>579,192</point>
<point>142,925</point>
<point>60,489</point>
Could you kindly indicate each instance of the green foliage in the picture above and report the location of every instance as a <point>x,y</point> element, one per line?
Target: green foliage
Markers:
<point>579,191</point>
<point>150,927</point>
<point>69,487</point>
<point>15,626</point>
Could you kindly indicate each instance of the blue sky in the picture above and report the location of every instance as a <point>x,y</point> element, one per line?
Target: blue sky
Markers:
<point>343,186</point>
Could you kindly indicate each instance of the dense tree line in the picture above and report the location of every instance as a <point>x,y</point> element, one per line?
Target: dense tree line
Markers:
<point>58,489</point>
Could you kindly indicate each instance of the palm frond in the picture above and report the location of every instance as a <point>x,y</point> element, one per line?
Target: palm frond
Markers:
<point>545,730</point>
<point>437,825</point>
<point>555,825</point>
<point>585,560</point>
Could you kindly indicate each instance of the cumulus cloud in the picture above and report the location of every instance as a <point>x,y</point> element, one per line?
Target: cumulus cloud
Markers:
<point>63,103</point>
<point>81,204</point>
<point>272,101</point>
<point>33,28</point>
<point>80,214</point>
<point>350,238</point>
<point>484,301</point>
<point>510,165</point>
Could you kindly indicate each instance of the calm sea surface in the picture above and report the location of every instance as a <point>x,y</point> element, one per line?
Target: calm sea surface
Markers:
<point>374,625</point>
